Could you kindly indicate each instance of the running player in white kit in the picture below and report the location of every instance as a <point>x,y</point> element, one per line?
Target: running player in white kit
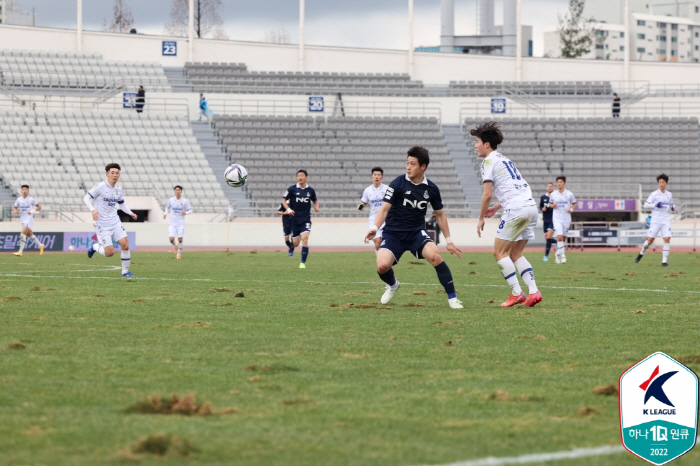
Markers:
<point>108,197</point>
<point>563,202</point>
<point>661,203</point>
<point>25,206</point>
<point>178,207</point>
<point>519,218</point>
<point>374,195</point>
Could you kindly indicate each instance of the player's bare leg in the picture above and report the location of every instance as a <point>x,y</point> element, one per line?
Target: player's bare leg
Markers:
<point>377,243</point>
<point>385,264</point>
<point>525,271</point>
<point>501,252</point>
<point>28,235</point>
<point>561,250</point>
<point>431,253</point>
<point>172,241</point>
<point>179,248</point>
<point>548,244</point>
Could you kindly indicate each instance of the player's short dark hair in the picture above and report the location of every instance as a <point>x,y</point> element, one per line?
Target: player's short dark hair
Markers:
<point>27,186</point>
<point>112,165</point>
<point>378,169</point>
<point>302,171</point>
<point>488,132</point>
<point>178,186</point>
<point>420,153</point>
<point>561,177</point>
<point>662,176</point>
<point>550,183</point>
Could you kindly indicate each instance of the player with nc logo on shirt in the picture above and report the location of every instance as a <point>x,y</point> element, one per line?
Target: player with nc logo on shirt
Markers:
<point>404,207</point>
<point>108,197</point>
<point>374,195</point>
<point>661,204</point>
<point>520,214</point>
<point>25,206</point>
<point>178,207</point>
<point>300,197</point>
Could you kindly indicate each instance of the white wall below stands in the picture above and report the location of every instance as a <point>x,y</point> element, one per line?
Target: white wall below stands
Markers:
<point>431,68</point>
<point>267,232</point>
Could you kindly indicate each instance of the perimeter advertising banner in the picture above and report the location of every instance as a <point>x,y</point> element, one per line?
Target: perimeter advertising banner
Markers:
<point>81,240</point>
<point>53,241</point>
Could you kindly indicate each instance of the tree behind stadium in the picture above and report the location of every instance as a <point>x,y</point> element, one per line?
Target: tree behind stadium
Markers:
<point>575,33</point>
<point>206,19</point>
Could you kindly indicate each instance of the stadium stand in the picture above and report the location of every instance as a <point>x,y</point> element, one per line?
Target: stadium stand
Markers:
<point>542,89</point>
<point>236,78</point>
<point>62,155</point>
<point>609,151</point>
<point>42,71</point>
<point>338,153</point>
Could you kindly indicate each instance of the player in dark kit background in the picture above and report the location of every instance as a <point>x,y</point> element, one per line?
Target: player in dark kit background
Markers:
<point>404,208</point>
<point>547,224</point>
<point>286,229</point>
<point>297,203</point>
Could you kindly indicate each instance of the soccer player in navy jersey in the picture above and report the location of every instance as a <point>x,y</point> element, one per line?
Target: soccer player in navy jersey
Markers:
<point>297,202</point>
<point>286,229</point>
<point>404,208</point>
<point>547,224</point>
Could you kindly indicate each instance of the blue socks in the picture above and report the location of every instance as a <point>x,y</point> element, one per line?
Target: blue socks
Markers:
<point>445,277</point>
<point>388,277</point>
<point>304,254</point>
<point>547,248</point>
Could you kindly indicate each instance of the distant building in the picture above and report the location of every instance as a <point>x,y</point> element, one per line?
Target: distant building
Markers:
<point>613,11</point>
<point>652,38</point>
<point>15,16</point>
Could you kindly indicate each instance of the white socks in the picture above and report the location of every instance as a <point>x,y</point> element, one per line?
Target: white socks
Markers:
<point>528,276</point>
<point>35,240</point>
<point>173,242</point>
<point>667,250</point>
<point>644,247</point>
<point>561,248</point>
<point>126,261</point>
<point>97,247</point>
<point>22,242</point>
<point>508,271</point>
<point>179,248</point>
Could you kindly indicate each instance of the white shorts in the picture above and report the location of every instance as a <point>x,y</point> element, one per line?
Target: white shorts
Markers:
<point>29,223</point>
<point>518,224</point>
<point>176,231</point>
<point>105,235</point>
<point>561,228</point>
<point>655,228</point>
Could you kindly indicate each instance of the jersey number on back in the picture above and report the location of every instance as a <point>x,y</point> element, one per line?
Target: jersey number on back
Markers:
<point>510,166</point>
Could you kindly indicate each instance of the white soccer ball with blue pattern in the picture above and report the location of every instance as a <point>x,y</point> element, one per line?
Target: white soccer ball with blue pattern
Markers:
<point>236,175</point>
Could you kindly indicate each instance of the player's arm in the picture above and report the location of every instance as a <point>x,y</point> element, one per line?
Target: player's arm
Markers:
<point>285,205</point>
<point>363,200</point>
<point>361,205</point>
<point>315,206</point>
<point>37,207</point>
<point>15,209</point>
<point>167,210</point>
<point>87,199</point>
<point>126,210</point>
<point>378,221</point>
<point>650,204</point>
<point>188,210</point>
<point>573,204</point>
<point>441,218</point>
<point>485,202</point>
<point>542,206</point>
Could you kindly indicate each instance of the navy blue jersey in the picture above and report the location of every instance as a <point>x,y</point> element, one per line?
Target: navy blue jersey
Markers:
<point>547,214</point>
<point>300,200</point>
<point>409,203</point>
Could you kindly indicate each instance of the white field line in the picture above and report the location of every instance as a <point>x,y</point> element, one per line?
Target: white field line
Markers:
<point>542,457</point>
<point>469,285</point>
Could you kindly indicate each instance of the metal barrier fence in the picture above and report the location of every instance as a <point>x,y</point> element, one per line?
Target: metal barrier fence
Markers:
<point>621,234</point>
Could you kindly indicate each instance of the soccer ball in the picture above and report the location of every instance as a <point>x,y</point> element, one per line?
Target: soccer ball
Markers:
<point>236,175</point>
<point>71,248</point>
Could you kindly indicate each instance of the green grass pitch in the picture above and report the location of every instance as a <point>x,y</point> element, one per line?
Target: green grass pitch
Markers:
<point>338,379</point>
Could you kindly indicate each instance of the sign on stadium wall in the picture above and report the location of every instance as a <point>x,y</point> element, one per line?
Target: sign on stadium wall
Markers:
<point>129,99</point>
<point>169,48</point>
<point>51,241</point>
<point>606,205</point>
<point>81,240</point>
<point>316,103</point>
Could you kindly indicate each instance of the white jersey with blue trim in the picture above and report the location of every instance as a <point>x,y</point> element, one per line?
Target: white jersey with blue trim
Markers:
<point>375,198</point>
<point>509,186</point>
<point>660,215</point>
<point>175,208</point>
<point>107,200</point>
<point>564,201</point>
<point>25,206</point>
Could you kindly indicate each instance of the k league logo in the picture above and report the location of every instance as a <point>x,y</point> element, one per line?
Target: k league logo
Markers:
<point>658,409</point>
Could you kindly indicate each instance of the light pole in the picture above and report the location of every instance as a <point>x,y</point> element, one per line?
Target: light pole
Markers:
<point>79,27</point>
<point>302,13</point>
<point>410,38</point>
<point>191,31</point>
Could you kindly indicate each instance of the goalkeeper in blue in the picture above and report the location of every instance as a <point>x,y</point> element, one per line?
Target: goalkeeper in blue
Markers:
<point>661,204</point>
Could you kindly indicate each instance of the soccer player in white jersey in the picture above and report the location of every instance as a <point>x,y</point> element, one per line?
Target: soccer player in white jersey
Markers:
<point>563,202</point>
<point>374,195</point>
<point>108,197</point>
<point>25,206</point>
<point>661,203</point>
<point>177,207</point>
<point>519,218</point>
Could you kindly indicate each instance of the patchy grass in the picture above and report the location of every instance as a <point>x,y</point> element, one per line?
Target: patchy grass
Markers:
<point>309,376</point>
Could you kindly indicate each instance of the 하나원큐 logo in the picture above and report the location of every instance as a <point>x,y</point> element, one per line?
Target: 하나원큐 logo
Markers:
<point>658,409</point>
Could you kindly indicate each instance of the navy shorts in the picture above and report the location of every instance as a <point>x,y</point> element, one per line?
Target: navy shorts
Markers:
<point>300,226</point>
<point>546,226</point>
<point>399,242</point>
<point>287,225</point>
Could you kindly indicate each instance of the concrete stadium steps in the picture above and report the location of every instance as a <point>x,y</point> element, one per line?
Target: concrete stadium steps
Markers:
<point>466,166</point>
<point>219,159</point>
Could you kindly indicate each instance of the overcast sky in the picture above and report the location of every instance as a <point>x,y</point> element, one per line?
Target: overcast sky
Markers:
<point>350,23</point>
